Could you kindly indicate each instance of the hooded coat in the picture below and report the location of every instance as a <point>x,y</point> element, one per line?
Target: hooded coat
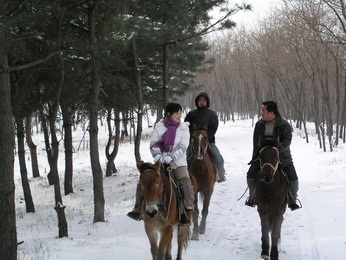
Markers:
<point>203,117</point>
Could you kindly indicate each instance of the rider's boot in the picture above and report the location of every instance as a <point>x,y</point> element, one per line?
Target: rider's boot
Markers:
<point>136,211</point>
<point>185,218</point>
<point>221,172</point>
<point>293,189</point>
<point>251,183</point>
<point>188,196</point>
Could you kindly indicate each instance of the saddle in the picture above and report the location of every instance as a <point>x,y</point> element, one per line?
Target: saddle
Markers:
<point>179,190</point>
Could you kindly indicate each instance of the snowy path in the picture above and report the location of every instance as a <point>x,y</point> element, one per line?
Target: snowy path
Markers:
<point>316,232</point>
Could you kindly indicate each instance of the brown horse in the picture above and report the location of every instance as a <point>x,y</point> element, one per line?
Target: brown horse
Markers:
<point>202,168</point>
<point>160,211</point>
<point>271,199</point>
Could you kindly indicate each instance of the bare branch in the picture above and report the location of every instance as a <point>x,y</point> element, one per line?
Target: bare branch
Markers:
<point>34,63</point>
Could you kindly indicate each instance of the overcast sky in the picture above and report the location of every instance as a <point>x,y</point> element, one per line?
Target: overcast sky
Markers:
<point>260,9</point>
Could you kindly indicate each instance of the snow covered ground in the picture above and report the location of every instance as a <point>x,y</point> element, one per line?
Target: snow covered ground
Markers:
<point>317,231</point>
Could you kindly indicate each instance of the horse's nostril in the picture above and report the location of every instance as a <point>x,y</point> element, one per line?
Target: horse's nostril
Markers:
<point>151,214</point>
<point>268,178</point>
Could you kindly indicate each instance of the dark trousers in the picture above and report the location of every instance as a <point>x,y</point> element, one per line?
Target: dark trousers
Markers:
<point>289,169</point>
<point>215,154</point>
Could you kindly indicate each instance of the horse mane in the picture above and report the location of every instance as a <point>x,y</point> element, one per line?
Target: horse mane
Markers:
<point>146,166</point>
<point>199,127</point>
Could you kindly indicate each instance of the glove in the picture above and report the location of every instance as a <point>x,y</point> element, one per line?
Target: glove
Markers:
<point>157,158</point>
<point>167,159</point>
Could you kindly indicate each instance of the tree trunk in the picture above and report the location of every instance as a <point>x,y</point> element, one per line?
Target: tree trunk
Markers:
<point>53,153</point>
<point>8,232</point>
<point>23,170</point>
<point>32,147</point>
<point>125,132</point>
<point>306,131</point>
<point>140,102</point>
<point>165,79</point>
<point>99,201</point>
<point>62,224</point>
<point>111,156</point>
<point>323,137</point>
<point>159,112</point>
<point>67,124</point>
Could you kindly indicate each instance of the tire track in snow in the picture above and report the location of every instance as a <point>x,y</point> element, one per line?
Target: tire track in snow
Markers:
<point>311,237</point>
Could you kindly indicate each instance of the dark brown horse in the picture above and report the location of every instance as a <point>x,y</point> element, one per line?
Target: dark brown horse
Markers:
<point>202,168</point>
<point>160,211</point>
<point>271,199</point>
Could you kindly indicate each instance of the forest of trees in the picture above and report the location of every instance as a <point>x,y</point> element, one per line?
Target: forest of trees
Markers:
<point>77,61</point>
<point>73,62</point>
<point>297,57</point>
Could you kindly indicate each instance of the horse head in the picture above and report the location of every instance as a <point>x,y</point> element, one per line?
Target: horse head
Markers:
<point>200,141</point>
<point>151,185</point>
<point>269,162</point>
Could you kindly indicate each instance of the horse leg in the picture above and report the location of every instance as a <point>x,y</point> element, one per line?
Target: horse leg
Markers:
<point>165,243</point>
<point>265,236</point>
<point>152,236</point>
<point>195,232</point>
<point>168,255</point>
<point>182,239</point>
<point>275,236</point>
<point>205,211</point>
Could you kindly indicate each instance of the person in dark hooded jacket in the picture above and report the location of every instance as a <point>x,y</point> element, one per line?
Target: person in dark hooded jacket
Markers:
<point>200,117</point>
<point>268,129</point>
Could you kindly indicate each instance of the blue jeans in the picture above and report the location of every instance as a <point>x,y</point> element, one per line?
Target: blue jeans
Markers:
<point>289,169</point>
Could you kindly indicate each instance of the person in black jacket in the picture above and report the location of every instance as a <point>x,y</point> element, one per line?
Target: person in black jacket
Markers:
<point>272,127</point>
<point>202,116</point>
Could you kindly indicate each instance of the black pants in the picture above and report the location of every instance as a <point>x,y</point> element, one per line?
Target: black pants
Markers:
<point>289,169</point>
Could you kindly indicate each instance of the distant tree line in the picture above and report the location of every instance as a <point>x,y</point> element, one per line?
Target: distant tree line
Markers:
<point>77,61</point>
<point>296,56</point>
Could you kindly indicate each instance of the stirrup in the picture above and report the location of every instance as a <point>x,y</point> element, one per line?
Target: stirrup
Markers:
<point>185,218</point>
<point>295,206</point>
<point>134,215</point>
<point>250,202</point>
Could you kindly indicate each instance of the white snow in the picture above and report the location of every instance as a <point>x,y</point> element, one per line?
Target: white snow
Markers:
<point>317,231</point>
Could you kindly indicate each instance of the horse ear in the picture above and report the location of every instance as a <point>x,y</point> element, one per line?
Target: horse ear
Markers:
<point>205,128</point>
<point>139,164</point>
<point>158,165</point>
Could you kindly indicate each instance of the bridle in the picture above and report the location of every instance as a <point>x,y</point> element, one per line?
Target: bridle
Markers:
<point>160,202</point>
<point>201,148</point>
<point>274,167</point>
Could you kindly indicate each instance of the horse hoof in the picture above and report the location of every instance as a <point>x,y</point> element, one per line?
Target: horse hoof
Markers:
<point>265,256</point>
<point>195,237</point>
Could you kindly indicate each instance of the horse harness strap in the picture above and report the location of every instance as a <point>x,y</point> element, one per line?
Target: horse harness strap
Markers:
<point>160,202</point>
<point>273,167</point>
